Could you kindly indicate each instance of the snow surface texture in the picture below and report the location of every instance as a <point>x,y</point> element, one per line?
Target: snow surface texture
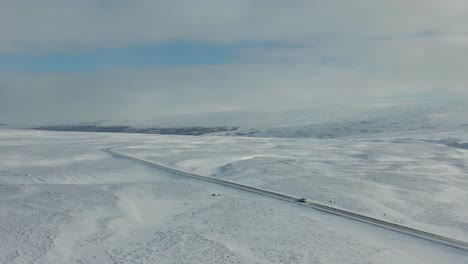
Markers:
<point>420,182</point>
<point>63,200</point>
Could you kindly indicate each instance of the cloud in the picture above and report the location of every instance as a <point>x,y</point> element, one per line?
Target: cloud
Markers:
<point>54,25</point>
<point>147,93</point>
<point>294,53</point>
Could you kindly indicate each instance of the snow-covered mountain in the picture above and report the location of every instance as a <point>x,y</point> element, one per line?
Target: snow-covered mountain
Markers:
<point>372,119</point>
<point>326,121</point>
<point>321,121</point>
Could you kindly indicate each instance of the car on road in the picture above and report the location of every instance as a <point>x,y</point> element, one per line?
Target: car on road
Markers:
<point>301,200</point>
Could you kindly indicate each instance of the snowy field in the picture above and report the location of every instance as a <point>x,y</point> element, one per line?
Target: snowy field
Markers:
<point>417,180</point>
<point>63,200</point>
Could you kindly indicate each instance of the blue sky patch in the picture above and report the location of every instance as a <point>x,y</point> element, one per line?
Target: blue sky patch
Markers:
<point>174,54</point>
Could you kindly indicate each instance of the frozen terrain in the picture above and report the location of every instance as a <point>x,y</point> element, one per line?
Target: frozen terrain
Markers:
<point>63,200</point>
<point>417,180</point>
<point>319,121</point>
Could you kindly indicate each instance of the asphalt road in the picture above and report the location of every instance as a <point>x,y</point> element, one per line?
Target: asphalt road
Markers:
<point>461,245</point>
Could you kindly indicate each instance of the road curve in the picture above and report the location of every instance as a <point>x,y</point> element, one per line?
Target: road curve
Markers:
<point>457,244</point>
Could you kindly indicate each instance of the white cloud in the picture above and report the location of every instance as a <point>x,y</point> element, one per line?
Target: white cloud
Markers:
<point>146,93</point>
<point>50,25</point>
<point>324,51</point>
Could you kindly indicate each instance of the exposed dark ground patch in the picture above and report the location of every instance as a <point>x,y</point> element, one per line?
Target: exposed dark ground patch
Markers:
<point>194,131</point>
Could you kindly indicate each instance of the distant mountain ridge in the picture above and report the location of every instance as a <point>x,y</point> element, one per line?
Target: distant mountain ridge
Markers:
<point>195,131</point>
<point>328,121</point>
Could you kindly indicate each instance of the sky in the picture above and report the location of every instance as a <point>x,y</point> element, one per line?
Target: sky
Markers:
<point>73,61</point>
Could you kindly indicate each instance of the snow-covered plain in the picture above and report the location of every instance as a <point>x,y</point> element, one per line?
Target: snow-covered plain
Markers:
<point>63,200</point>
<point>418,180</point>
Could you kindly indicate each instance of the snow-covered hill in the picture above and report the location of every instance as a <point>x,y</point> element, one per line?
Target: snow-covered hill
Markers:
<point>322,121</point>
<point>342,121</point>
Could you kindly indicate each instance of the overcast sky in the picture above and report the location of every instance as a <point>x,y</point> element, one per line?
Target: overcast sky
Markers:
<point>69,60</point>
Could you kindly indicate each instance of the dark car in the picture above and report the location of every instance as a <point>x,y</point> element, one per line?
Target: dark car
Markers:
<point>302,200</point>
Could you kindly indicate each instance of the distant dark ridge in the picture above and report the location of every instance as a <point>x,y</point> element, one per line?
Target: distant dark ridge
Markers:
<point>193,131</point>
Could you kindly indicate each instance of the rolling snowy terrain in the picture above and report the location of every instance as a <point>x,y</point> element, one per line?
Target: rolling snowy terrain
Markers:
<point>320,121</point>
<point>64,200</point>
<point>420,181</point>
